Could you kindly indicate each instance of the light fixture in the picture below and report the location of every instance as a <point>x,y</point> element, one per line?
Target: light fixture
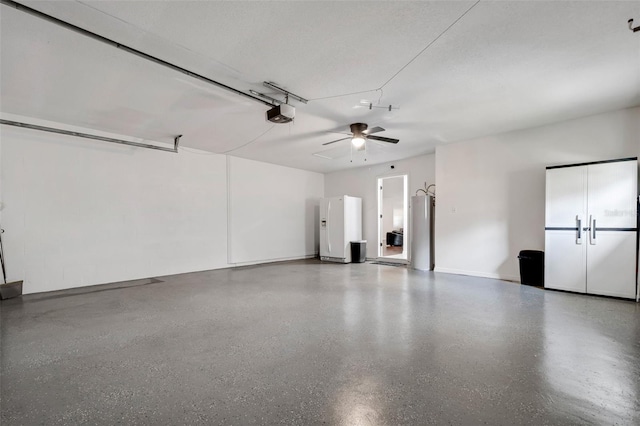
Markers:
<point>357,141</point>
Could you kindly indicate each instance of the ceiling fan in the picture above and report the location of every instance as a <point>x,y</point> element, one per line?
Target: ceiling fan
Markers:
<point>360,132</point>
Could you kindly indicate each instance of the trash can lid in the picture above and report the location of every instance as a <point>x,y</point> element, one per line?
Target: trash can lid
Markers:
<point>359,241</point>
<point>531,252</point>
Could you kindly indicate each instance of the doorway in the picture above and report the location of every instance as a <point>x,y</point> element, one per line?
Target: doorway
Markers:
<point>392,218</point>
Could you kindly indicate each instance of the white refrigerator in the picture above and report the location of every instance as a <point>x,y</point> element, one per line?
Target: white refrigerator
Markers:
<point>591,228</point>
<point>340,223</point>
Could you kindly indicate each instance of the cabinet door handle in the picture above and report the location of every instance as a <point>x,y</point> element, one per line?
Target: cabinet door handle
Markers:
<point>579,237</point>
<point>592,228</point>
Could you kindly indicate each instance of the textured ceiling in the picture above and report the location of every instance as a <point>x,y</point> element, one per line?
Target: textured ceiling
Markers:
<point>451,70</point>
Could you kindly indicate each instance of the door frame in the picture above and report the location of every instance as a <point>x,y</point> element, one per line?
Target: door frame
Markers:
<point>406,238</point>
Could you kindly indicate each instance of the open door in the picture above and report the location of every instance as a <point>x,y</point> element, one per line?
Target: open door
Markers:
<point>393,209</point>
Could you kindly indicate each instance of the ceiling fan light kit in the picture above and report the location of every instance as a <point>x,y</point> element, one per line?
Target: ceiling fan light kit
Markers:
<point>357,141</point>
<point>360,133</point>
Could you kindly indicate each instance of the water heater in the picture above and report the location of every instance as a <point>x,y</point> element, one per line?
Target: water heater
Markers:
<point>422,224</point>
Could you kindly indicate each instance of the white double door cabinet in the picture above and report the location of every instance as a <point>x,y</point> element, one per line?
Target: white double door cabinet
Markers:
<point>591,228</point>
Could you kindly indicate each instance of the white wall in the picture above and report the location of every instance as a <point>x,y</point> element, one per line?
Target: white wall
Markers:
<point>490,194</point>
<point>273,211</point>
<point>79,212</point>
<point>362,182</point>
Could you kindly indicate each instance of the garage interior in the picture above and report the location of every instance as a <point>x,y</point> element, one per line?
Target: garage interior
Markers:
<point>173,276</point>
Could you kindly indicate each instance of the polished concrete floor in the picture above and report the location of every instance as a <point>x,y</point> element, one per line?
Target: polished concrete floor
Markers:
<point>310,343</point>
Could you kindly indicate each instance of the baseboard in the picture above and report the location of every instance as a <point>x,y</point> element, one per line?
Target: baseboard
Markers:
<point>88,287</point>
<point>495,276</point>
<point>279,259</point>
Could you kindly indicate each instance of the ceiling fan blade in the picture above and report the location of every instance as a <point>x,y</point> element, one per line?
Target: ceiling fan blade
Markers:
<point>381,139</point>
<point>373,130</point>
<point>337,140</point>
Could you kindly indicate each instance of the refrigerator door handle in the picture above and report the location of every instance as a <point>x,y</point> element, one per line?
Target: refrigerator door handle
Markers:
<point>328,224</point>
<point>592,228</point>
<point>579,236</point>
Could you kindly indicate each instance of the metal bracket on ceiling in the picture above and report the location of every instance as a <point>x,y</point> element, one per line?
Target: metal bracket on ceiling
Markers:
<point>275,101</point>
<point>636,29</point>
<point>390,107</point>
<point>288,94</point>
<point>271,99</point>
<point>94,137</point>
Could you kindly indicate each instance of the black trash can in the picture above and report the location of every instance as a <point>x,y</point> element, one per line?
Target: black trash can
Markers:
<point>532,267</point>
<point>358,251</point>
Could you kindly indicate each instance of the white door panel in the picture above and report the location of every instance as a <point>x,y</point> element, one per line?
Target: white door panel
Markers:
<point>611,264</point>
<point>565,196</point>
<point>565,262</point>
<point>335,227</point>
<point>612,191</point>
<point>324,238</point>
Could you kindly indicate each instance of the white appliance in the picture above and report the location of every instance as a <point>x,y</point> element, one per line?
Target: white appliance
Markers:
<point>340,223</point>
<point>422,221</point>
<point>591,228</point>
